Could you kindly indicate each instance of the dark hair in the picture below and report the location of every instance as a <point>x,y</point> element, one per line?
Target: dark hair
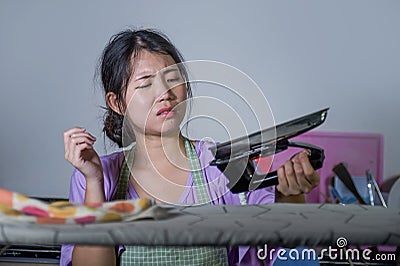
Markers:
<point>116,68</point>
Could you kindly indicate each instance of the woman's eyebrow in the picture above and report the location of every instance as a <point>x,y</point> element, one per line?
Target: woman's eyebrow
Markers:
<point>170,70</point>
<point>144,77</point>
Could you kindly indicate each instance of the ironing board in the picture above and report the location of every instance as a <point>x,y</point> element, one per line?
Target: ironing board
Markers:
<point>276,224</point>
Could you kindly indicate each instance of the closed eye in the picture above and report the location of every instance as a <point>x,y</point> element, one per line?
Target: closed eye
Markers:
<point>173,80</point>
<point>144,86</point>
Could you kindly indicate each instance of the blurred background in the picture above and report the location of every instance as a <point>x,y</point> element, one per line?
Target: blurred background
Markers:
<point>304,55</point>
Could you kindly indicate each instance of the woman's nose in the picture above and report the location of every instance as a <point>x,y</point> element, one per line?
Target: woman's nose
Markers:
<point>166,95</point>
<point>164,92</point>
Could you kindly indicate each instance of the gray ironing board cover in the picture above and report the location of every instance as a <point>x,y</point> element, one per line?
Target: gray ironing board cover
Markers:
<point>222,225</point>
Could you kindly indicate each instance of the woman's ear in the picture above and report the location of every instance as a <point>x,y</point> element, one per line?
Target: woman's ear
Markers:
<point>112,102</point>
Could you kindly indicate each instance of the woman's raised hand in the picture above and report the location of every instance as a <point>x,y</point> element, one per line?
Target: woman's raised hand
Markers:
<point>80,153</point>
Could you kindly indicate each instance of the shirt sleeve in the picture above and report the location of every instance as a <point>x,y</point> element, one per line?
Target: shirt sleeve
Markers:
<point>111,167</point>
<point>76,194</point>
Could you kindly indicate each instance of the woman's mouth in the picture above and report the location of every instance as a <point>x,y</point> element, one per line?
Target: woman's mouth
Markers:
<point>166,112</point>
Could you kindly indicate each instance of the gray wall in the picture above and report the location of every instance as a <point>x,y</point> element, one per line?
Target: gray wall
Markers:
<point>305,55</point>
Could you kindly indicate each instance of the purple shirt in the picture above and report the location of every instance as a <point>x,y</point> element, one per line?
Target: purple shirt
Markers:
<point>217,189</point>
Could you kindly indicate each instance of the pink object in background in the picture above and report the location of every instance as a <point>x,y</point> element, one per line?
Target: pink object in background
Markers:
<point>359,152</point>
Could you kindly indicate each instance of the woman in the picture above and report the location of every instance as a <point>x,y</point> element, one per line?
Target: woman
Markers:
<point>144,83</point>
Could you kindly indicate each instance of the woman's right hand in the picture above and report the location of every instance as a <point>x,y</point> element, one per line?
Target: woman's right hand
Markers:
<point>80,153</point>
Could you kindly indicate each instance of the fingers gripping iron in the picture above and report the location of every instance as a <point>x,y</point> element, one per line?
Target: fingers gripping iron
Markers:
<point>235,158</point>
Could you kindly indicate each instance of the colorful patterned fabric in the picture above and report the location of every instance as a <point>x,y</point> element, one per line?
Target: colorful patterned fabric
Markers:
<point>18,207</point>
<point>161,255</point>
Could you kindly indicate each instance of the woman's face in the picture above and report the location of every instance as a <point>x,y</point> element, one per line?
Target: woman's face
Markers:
<point>156,95</point>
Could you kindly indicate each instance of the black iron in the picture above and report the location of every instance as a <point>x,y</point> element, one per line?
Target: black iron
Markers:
<point>235,158</point>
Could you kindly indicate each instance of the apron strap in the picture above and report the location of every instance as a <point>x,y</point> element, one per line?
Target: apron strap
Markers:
<point>123,179</point>
<point>197,173</point>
